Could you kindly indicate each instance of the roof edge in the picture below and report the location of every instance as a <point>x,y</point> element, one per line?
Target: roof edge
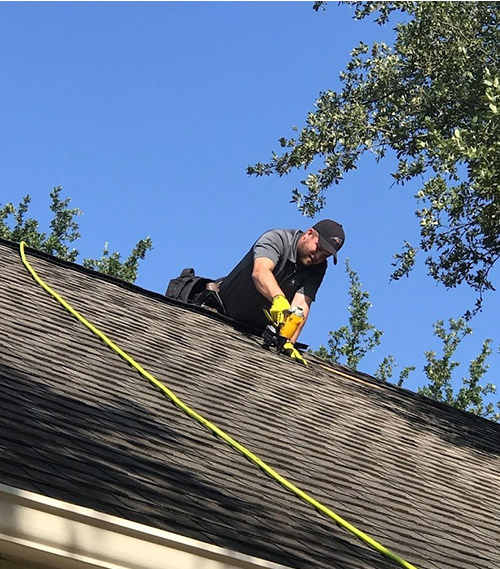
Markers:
<point>45,531</point>
<point>244,328</point>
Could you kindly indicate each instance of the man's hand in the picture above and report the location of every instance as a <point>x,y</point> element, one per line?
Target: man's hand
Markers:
<point>290,350</point>
<point>278,308</point>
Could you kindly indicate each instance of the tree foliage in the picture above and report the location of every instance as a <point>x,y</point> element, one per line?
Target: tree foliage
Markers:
<point>350,343</point>
<point>439,372</point>
<point>111,264</point>
<point>64,230</point>
<point>15,226</point>
<point>432,99</point>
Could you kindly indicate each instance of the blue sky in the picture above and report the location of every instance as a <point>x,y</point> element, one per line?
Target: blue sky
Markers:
<point>147,114</point>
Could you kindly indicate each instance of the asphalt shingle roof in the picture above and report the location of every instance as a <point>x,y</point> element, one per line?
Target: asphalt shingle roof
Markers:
<point>78,424</point>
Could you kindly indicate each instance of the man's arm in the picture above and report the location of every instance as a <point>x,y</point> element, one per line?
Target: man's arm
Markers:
<point>267,285</point>
<point>304,302</point>
<point>263,278</point>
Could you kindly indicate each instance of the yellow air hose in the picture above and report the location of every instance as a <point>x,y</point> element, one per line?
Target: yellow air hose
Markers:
<point>215,430</point>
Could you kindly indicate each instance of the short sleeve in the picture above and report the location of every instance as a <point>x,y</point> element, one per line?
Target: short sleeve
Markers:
<point>270,245</point>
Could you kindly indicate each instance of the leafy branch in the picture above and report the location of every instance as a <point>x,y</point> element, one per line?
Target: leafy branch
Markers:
<point>64,230</point>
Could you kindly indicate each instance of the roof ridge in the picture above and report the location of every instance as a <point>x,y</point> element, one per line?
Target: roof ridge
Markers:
<point>130,286</point>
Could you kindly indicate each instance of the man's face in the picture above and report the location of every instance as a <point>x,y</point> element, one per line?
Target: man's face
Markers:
<point>309,251</point>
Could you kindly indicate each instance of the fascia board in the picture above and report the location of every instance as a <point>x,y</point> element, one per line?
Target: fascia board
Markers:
<point>48,532</point>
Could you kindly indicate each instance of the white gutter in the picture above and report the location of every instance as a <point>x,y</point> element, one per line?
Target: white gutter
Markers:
<point>40,530</point>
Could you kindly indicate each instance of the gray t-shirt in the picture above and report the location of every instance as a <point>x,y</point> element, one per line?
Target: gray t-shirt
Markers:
<point>243,302</point>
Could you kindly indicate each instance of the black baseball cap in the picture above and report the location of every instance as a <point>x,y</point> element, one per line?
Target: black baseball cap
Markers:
<point>331,236</point>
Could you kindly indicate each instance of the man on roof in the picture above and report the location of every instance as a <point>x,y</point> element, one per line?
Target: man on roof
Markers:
<point>284,268</point>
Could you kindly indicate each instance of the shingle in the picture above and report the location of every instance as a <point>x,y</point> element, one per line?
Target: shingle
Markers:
<point>78,424</point>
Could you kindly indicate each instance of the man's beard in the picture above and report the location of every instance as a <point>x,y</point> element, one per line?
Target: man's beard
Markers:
<point>303,257</point>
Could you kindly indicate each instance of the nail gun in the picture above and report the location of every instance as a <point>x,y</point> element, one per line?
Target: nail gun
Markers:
<point>276,336</point>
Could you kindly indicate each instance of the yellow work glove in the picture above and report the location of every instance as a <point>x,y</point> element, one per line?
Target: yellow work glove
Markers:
<point>290,350</point>
<point>278,308</point>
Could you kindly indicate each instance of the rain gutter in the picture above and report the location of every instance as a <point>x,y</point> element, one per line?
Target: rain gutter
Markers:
<point>47,532</point>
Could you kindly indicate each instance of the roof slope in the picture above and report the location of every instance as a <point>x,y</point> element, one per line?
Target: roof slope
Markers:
<point>78,424</point>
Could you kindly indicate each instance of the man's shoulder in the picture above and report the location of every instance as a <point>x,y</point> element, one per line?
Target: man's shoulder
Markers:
<point>277,244</point>
<point>285,235</point>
